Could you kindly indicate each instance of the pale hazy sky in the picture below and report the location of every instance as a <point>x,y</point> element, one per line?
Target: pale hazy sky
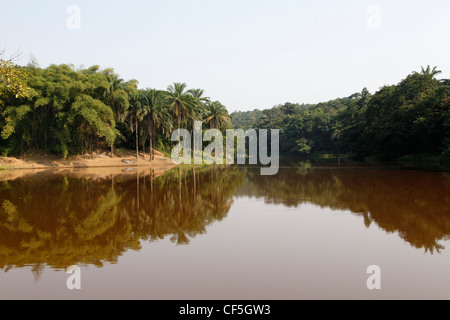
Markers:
<point>248,53</point>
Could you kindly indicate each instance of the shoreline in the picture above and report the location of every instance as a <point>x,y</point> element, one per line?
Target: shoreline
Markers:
<point>96,165</point>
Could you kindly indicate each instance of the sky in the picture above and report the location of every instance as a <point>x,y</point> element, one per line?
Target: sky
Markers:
<point>246,54</point>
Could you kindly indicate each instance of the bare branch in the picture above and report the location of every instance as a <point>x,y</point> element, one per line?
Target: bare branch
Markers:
<point>14,57</point>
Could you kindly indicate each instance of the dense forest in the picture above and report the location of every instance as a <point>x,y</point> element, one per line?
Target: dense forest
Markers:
<point>66,111</point>
<point>410,118</point>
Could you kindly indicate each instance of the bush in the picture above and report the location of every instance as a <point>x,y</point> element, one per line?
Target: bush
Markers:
<point>119,152</point>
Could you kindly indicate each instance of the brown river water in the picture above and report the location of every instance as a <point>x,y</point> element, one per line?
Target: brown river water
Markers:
<point>310,232</point>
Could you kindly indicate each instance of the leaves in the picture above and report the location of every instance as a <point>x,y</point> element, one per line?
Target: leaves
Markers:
<point>411,117</point>
<point>12,81</point>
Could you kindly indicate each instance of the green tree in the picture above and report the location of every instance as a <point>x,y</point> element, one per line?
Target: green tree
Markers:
<point>181,102</point>
<point>216,115</point>
<point>156,116</point>
<point>135,114</point>
<point>12,80</point>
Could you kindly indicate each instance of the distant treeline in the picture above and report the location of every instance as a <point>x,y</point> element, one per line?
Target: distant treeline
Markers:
<point>410,118</point>
<point>66,111</point>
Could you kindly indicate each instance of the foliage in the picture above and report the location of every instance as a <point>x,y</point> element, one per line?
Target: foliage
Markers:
<point>412,117</point>
<point>12,80</point>
<point>64,111</point>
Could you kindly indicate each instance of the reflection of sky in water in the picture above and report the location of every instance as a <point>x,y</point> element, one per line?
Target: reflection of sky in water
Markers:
<point>301,234</point>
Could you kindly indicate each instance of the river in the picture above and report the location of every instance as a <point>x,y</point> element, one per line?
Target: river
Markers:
<point>310,232</point>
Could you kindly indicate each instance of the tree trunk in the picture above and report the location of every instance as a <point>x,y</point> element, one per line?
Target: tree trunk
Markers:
<point>151,147</point>
<point>154,143</point>
<point>143,147</point>
<point>137,141</point>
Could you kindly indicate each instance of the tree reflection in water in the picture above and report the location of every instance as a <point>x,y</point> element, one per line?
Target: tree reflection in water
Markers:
<point>59,220</point>
<point>413,203</point>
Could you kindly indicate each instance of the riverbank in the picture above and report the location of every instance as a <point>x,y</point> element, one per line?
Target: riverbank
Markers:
<point>95,165</point>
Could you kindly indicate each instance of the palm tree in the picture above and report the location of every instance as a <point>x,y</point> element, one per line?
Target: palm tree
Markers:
<point>181,102</point>
<point>216,115</point>
<point>199,95</point>
<point>134,115</point>
<point>118,96</point>
<point>420,82</point>
<point>156,116</point>
<point>200,102</point>
<point>431,72</point>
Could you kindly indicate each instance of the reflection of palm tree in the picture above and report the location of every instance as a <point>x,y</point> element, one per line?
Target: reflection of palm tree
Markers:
<point>367,219</point>
<point>37,271</point>
<point>93,222</point>
<point>218,205</point>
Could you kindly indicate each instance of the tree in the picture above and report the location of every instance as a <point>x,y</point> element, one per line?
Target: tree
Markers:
<point>431,73</point>
<point>216,115</point>
<point>181,102</point>
<point>135,114</point>
<point>156,116</point>
<point>117,96</point>
<point>12,80</point>
<point>93,118</point>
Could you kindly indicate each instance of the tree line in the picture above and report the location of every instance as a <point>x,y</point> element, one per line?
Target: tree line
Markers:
<point>410,118</point>
<point>66,111</point>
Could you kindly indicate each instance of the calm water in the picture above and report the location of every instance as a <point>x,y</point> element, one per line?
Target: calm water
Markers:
<point>227,233</point>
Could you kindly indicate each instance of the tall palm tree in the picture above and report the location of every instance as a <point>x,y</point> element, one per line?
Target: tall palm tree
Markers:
<point>156,116</point>
<point>199,94</point>
<point>134,115</point>
<point>216,115</point>
<point>200,102</point>
<point>181,102</point>
<point>118,96</point>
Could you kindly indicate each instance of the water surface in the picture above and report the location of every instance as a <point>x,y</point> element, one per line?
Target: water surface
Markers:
<point>309,232</point>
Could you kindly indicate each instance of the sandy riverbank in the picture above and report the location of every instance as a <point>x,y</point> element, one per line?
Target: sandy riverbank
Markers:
<point>95,165</point>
